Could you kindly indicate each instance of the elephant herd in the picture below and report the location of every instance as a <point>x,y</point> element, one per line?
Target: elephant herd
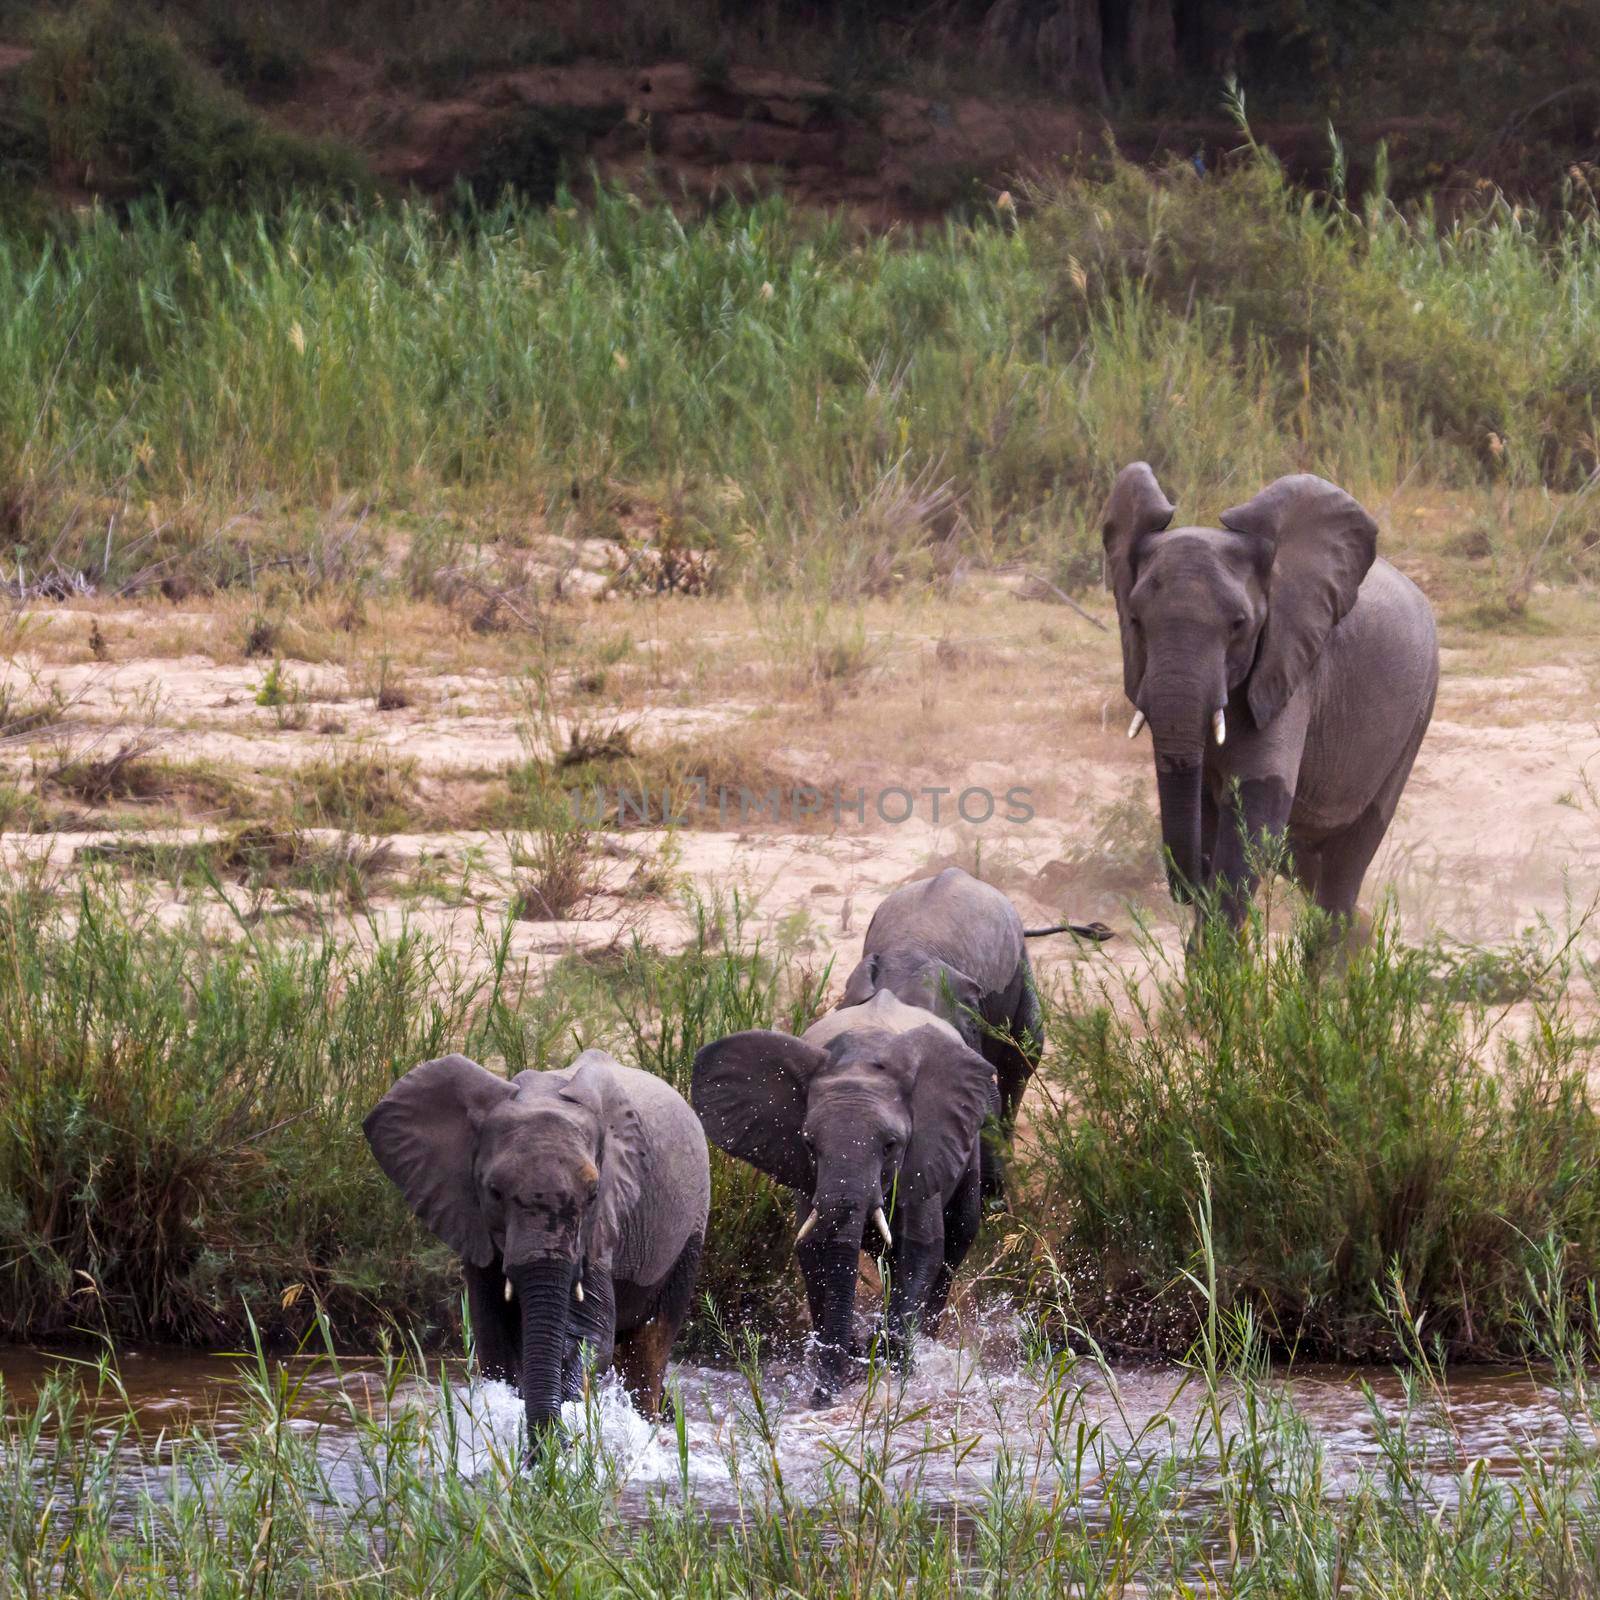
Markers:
<point>1287,677</point>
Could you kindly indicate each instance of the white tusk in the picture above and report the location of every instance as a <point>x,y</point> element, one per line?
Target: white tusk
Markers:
<point>1136,727</point>
<point>1219,726</point>
<point>579,1291</point>
<point>508,1291</point>
<point>806,1226</point>
<point>883,1227</point>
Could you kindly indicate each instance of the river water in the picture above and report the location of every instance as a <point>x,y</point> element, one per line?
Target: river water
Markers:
<point>972,1409</point>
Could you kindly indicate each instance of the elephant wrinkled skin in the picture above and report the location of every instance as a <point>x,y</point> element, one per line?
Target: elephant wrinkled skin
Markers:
<point>953,945</point>
<point>873,1115</point>
<point>577,1202</point>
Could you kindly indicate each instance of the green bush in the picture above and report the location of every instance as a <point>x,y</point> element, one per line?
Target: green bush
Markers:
<point>821,408</point>
<point>180,1127</point>
<point>121,109</point>
<point>1358,1129</point>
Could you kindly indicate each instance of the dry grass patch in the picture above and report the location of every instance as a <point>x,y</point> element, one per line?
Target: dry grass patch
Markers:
<point>359,791</point>
<point>261,855</point>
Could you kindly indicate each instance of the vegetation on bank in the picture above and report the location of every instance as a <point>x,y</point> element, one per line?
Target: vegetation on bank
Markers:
<point>1385,1133</point>
<point>180,1144</point>
<point>178,388</point>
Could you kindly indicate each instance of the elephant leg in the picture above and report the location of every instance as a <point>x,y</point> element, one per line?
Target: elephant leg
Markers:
<point>913,1273</point>
<point>1255,820</point>
<point>1348,854</point>
<point>1015,1059</point>
<point>1209,818</point>
<point>1345,859</point>
<point>496,1328</point>
<point>962,1218</point>
<point>642,1352</point>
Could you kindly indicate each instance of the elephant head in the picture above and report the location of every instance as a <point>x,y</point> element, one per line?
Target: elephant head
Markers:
<point>534,1176</point>
<point>1208,613</point>
<point>874,1125</point>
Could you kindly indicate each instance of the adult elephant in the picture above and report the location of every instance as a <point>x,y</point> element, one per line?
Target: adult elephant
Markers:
<point>577,1202</point>
<point>953,945</point>
<point>1287,675</point>
<point>873,1115</point>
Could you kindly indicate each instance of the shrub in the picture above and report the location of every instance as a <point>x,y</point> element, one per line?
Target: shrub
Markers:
<point>123,110</point>
<point>1355,1128</point>
<point>179,1140</point>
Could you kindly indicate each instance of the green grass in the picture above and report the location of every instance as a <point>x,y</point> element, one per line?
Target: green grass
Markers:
<point>818,406</point>
<point>1359,1128</point>
<point>180,1141</point>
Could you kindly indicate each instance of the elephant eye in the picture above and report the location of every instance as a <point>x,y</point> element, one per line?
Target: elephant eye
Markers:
<point>1239,624</point>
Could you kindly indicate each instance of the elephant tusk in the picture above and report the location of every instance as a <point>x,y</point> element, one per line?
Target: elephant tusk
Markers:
<point>806,1226</point>
<point>578,1291</point>
<point>1136,727</point>
<point>508,1291</point>
<point>1219,726</point>
<point>883,1228</point>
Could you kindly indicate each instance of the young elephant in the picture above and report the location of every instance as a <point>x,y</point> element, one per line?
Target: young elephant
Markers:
<point>577,1201</point>
<point>1287,674</point>
<point>874,1116</point>
<point>954,946</point>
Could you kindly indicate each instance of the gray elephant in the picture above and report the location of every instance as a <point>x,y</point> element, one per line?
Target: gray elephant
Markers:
<point>953,945</point>
<point>1287,675</point>
<point>873,1115</point>
<point>577,1202</point>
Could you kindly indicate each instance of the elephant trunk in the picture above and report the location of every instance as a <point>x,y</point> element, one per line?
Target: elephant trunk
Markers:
<point>836,1268</point>
<point>1179,717</point>
<point>1178,787</point>
<point>544,1289</point>
<point>843,1200</point>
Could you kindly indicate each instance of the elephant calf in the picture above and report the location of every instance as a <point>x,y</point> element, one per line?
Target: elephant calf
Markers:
<point>953,945</point>
<point>1287,675</point>
<point>873,1115</point>
<point>577,1202</point>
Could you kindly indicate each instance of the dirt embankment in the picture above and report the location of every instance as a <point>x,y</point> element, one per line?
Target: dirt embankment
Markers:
<point>881,155</point>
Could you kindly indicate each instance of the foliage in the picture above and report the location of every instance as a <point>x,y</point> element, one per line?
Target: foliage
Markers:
<point>1358,1126</point>
<point>120,107</point>
<point>825,410</point>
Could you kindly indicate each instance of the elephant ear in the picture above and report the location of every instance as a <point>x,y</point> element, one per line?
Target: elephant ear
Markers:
<point>954,1090</point>
<point>423,1133</point>
<point>1134,510</point>
<point>594,1085</point>
<point>1323,543</point>
<point>958,997</point>
<point>750,1091</point>
<point>862,983</point>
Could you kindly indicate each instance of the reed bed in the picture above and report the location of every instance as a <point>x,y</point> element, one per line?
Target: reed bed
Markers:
<point>203,386</point>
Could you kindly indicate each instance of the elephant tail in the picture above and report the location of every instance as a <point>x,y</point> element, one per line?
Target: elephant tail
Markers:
<point>1097,931</point>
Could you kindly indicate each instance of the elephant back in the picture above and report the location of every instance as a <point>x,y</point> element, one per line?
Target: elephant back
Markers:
<point>955,919</point>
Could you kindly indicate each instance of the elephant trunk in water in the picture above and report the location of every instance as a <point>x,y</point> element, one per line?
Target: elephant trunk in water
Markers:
<point>843,1203</point>
<point>544,1290</point>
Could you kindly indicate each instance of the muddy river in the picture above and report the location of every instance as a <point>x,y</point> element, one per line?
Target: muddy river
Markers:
<point>971,1411</point>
